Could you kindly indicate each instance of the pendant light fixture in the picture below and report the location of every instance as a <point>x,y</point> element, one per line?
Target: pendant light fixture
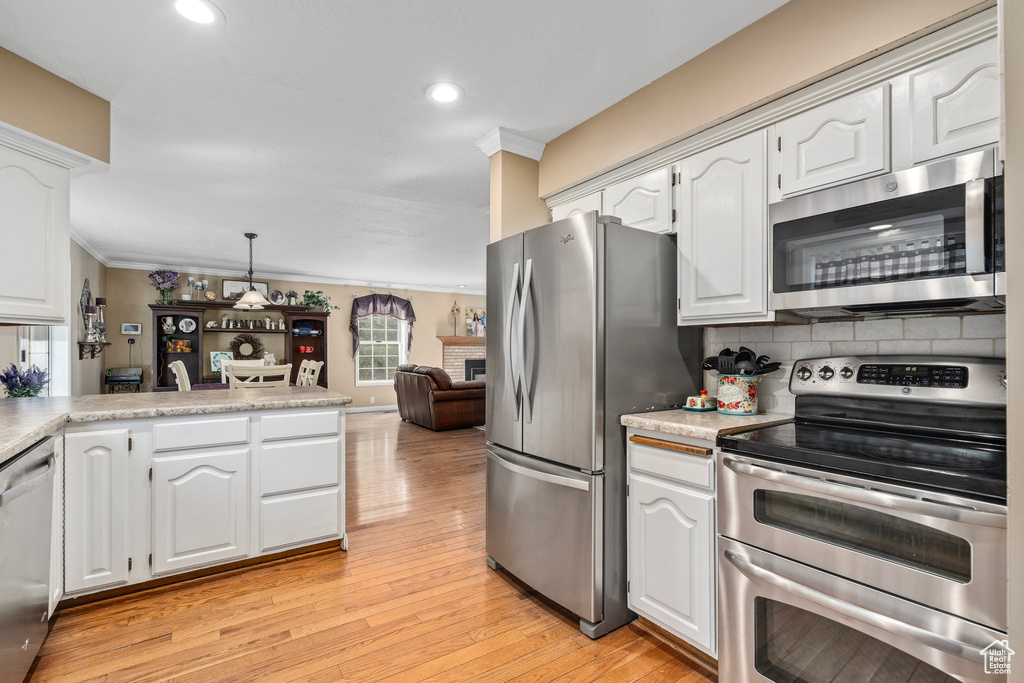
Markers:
<point>251,300</point>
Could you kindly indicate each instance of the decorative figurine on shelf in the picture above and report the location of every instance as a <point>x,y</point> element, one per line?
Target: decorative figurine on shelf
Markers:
<point>455,313</point>
<point>269,358</point>
<point>224,321</point>
<point>165,281</point>
<point>293,297</point>
<point>167,325</point>
<point>212,325</point>
<point>266,323</point>
<point>90,324</point>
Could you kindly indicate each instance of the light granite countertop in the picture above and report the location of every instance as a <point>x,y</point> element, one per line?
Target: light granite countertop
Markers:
<point>701,425</point>
<point>24,421</point>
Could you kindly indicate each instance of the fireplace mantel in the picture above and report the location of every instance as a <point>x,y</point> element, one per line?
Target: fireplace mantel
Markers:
<point>455,351</point>
<point>463,341</point>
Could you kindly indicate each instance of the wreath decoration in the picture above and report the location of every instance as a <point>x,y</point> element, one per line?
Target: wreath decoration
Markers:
<point>246,347</point>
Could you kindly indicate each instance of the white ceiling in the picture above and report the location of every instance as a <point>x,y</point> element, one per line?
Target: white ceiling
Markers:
<point>305,120</point>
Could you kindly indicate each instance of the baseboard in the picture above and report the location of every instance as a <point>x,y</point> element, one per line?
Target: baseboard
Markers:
<point>373,409</point>
<point>702,661</point>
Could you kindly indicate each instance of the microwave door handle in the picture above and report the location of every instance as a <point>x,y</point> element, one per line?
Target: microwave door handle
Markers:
<point>798,585</point>
<point>936,509</point>
<point>974,225</point>
<point>511,371</point>
<point>523,312</point>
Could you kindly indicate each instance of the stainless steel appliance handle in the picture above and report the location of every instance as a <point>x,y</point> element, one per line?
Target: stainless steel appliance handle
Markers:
<point>15,492</point>
<point>974,225</point>
<point>969,651</point>
<point>511,373</point>
<point>540,476</point>
<point>525,371</point>
<point>935,509</point>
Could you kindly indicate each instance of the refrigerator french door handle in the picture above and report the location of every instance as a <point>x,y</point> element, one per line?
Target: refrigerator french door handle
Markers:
<point>524,371</point>
<point>974,225</point>
<point>512,376</point>
<point>938,510</point>
<point>798,586</point>
<point>539,476</point>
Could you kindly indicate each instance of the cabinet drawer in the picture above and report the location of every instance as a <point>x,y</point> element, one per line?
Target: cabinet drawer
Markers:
<point>222,431</point>
<point>695,470</point>
<point>298,518</point>
<point>293,466</point>
<point>296,426</point>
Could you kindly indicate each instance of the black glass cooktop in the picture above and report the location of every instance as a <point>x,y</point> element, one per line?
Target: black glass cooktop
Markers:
<point>968,466</point>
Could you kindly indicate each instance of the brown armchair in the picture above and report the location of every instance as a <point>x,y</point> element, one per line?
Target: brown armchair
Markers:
<point>428,397</point>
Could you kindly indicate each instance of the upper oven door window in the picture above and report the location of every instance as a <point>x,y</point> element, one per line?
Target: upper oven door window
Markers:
<point>866,531</point>
<point>907,238</point>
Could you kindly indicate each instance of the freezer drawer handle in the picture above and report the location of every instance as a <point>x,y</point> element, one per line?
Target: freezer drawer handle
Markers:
<point>15,492</point>
<point>511,376</point>
<point>525,371</point>
<point>970,651</point>
<point>936,509</point>
<point>540,476</point>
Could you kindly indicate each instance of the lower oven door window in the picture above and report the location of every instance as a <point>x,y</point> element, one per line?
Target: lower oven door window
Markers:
<point>792,644</point>
<point>866,531</point>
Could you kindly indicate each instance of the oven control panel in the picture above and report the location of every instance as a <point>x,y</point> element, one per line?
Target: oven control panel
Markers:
<point>914,375</point>
<point>923,378</point>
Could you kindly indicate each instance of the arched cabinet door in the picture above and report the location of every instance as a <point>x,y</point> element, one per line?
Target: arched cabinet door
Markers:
<point>672,558</point>
<point>591,202</point>
<point>949,106</point>
<point>722,232</point>
<point>34,221</point>
<point>200,509</point>
<point>644,202</point>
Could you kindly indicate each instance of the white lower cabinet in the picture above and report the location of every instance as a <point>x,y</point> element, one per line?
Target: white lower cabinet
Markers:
<point>96,509</point>
<point>671,544</point>
<point>200,509</point>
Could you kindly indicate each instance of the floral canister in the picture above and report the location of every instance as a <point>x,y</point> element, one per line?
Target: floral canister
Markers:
<point>737,394</point>
<point>702,402</point>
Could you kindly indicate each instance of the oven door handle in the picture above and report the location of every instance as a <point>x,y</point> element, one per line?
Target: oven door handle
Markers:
<point>936,509</point>
<point>799,586</point>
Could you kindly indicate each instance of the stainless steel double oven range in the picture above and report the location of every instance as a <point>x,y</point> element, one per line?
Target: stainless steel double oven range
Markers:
<point>866,540</point>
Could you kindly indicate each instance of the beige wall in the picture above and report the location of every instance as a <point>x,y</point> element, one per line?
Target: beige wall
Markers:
<point>1013,148</point>
<point>515,206</point>
<point>785,50</point>
<point>86,375</point>
<point>129,294</point>
<point>43,103</point>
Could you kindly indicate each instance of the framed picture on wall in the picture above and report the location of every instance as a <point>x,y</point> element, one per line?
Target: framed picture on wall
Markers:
<point>232,290</point>
<point>476,322</point>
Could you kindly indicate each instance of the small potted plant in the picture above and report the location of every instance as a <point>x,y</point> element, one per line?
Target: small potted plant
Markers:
<point>293,297</point>
<point>317,301</point>
<point>19,383</point>
<point>165,281</point>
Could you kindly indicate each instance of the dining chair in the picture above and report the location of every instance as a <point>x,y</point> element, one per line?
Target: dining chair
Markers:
<point>180,375</point>
<point>224,364</point>
<point>309,373</point>
<point>245,377</point>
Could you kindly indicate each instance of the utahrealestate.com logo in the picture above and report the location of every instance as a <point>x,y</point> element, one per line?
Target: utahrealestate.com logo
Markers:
<point>997,656</point>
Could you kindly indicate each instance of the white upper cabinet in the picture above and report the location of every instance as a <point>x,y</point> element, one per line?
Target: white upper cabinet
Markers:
<point>34,222</point>
<point>643,202</point>
<point>836,142</point>
<point>592,202</point>
<point>949,106</point>
<point>721,199</point>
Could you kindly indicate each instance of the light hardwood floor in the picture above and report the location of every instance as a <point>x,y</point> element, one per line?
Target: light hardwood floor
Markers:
<point>412,600</point>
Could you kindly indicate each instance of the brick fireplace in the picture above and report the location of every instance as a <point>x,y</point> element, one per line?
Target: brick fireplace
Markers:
<point>457,350</point>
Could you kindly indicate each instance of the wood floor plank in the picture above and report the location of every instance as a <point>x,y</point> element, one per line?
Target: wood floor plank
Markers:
<point>412,600</point>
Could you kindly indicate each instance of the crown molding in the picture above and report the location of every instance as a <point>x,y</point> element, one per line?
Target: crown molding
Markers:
<point>964,33</point>
<point>289,277</point>
<point>503,140</point>
<point>41,148</point>
<point>85,243</point>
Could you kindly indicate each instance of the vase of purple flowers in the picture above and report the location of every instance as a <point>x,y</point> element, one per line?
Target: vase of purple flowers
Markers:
<point>19,383</point>
<point>165,282</point>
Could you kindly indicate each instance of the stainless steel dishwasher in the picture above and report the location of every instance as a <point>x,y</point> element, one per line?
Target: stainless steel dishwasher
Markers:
<point>26,506</point>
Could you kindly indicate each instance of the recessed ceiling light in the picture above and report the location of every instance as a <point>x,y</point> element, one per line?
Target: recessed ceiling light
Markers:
<point>444,92</point>
<point>199,11</point>
<point>880,227</point>
<point>462,286</point>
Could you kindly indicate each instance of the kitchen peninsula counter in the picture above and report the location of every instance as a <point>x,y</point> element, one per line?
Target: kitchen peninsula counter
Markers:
<point>24,421</point>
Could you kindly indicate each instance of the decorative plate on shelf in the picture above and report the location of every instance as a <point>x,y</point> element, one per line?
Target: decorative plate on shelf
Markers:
<point>276,297</point>
<point>210,295</point>
<point>187,325</point>
<point>246,347</point>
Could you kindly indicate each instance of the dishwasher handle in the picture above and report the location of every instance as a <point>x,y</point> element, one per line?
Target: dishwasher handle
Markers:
<point>29,485</point>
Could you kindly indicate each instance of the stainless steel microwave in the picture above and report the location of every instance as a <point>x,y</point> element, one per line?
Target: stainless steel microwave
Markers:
<point>927,239</point>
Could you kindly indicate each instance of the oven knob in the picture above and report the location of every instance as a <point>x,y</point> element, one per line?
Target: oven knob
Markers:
<point>846,373</point>
<point>826,373</point>
<point>804,373</point>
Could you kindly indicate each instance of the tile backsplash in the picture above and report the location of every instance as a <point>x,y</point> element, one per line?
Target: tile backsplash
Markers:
<point>969,335</point>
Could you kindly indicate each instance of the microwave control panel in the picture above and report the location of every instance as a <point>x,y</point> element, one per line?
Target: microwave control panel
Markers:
<point>913,375</point>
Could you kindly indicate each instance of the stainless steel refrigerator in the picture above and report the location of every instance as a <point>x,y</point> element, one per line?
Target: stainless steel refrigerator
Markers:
<point>582,329</point>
